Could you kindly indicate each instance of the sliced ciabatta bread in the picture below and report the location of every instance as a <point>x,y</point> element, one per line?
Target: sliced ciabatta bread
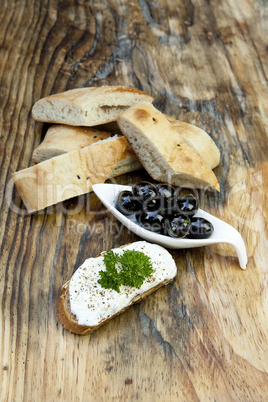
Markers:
<point>87,106</point>
<point>61,139</point>
<point>199,140</point>
<point>161,149</point>
<point>68,175</point>
<point>127,163</point>
<point>85,304</point>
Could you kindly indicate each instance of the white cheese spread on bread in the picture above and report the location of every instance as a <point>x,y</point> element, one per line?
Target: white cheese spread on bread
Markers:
<point>91,304</point>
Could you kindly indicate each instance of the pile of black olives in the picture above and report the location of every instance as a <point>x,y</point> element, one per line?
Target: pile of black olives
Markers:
<point>162,209</point>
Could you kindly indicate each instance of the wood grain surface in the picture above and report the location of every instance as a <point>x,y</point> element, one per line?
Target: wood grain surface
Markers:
<point>204,336</point>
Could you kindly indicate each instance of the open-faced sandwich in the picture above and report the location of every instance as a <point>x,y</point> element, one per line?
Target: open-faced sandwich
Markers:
<point>105,286</point>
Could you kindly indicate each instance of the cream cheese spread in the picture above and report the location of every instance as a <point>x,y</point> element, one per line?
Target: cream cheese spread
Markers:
<point>92,304</point>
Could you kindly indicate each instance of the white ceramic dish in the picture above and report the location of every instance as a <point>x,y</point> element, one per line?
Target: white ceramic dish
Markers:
<point>223,232</point>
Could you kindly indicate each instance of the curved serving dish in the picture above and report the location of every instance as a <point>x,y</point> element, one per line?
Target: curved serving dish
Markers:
<point>223,232</point>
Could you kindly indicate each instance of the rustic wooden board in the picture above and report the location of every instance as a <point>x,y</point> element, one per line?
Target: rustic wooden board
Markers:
<point>204,336</point>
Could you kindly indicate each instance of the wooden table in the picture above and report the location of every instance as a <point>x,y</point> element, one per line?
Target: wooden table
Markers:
<point>204,336</point>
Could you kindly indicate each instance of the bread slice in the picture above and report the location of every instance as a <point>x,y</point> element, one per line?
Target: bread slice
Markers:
<point>128,162</point>
<point>161,149</point>
<point>85,306</point>
<point>199,140</point>
<point>61,139</point>
<point>87,106</point>
<point>68,175</point>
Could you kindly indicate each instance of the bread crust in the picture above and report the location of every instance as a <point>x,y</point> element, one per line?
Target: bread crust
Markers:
<point>87,106</point>
<point>69,321</point>
<point>68,175</point>
<point>162,150</point>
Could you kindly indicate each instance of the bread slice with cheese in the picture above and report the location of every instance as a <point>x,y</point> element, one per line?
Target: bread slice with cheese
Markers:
<point>85,305</point>
<point>68,175</point>
<point>162,150</point>
<point>87,106</point>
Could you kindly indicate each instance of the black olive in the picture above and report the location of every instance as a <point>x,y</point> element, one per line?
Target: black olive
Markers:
<point>200,228</point>
<point>187,205</point>
<point>152,204</point>
<point>144,190</point>
<point>127,204</point>
<point>167,196</point>
<point>166,191</point>
<point>152,221</point>
<point>176,225</point>
<point>183,191</point>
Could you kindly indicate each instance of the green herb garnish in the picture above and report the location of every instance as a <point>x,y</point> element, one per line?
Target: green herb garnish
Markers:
<point>110,278</point>
<point>129,268</point>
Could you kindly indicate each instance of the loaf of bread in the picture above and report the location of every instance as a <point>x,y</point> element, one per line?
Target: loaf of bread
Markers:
<point>87,106</point>
<point>68,175</point>
<point>161,149</point>
<point>85,305</point>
